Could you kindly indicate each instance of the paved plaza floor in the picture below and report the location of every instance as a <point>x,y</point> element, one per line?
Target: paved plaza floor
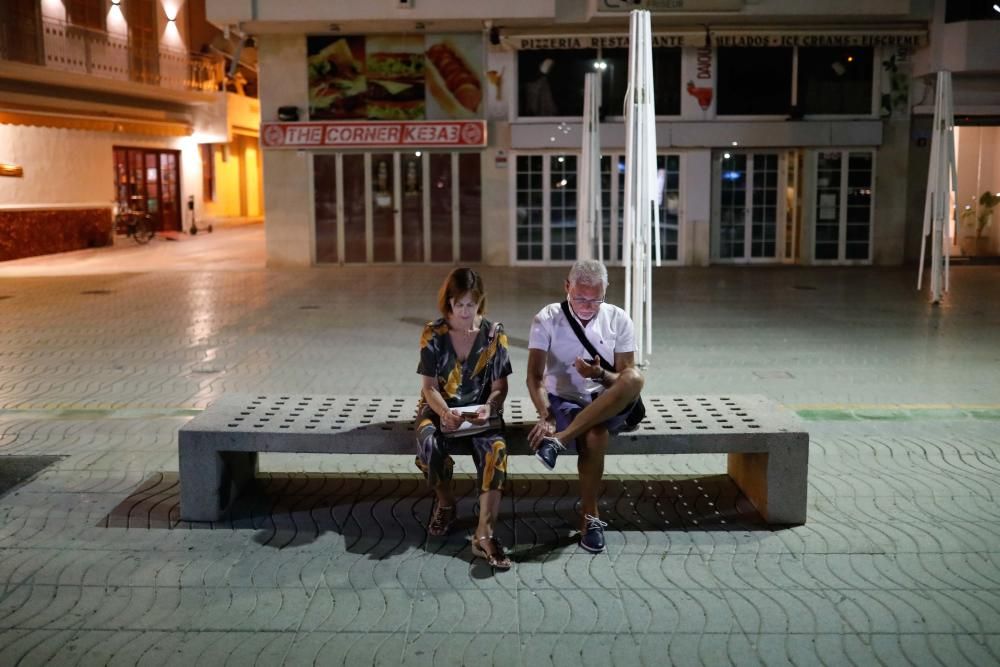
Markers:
<point>104,354</point>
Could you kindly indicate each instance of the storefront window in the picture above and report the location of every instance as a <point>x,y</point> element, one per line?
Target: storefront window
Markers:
<point>754,81</point>
<point>666,80</point>
<point>835,80</point>
<point>550,82</point>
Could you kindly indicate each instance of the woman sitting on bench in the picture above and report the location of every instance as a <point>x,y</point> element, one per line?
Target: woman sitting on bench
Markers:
<point>464,362</point>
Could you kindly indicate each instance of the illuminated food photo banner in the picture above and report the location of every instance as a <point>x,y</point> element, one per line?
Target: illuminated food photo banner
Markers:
<point>395,77</point>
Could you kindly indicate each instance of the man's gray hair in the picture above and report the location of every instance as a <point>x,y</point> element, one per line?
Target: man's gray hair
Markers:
<point>588,272</point>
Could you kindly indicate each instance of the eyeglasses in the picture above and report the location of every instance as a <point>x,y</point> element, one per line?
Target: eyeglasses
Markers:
<point>579,301</point>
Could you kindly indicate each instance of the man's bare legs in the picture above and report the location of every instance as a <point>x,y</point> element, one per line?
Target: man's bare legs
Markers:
<point>611,402</point>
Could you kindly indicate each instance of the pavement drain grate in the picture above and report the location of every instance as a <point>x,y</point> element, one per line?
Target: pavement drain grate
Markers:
<point>16,470</point>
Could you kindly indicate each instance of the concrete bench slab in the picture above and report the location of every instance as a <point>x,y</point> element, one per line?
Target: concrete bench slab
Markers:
<point>768,451</point>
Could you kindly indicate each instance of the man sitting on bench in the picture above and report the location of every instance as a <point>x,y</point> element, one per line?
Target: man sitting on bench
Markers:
<point>576,397</point>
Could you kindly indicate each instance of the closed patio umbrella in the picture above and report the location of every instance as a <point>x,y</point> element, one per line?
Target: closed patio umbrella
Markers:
<point>942,180</point>
<point>641,228</point>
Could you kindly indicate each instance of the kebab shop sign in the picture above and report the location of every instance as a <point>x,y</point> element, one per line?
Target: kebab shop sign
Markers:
<point>461,133</point>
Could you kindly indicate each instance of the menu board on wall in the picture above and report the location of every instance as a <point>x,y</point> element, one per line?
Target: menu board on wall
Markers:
<point>395,77</point>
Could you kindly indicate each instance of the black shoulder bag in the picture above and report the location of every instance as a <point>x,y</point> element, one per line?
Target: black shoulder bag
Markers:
<point>635,412</point>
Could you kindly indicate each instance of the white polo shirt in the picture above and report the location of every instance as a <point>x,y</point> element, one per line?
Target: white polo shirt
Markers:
<point>610,331</point>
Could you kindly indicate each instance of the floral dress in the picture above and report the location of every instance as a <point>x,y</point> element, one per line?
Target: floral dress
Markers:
<point>461,384</point>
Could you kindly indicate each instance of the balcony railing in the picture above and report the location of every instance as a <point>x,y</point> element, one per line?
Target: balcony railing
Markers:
<point>109,55</point>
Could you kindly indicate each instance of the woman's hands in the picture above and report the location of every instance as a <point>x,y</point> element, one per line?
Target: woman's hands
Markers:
<point>482,415</point>
<point>451,419</point>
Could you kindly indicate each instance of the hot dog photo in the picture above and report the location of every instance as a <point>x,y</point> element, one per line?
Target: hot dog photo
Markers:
<point>454,76</point>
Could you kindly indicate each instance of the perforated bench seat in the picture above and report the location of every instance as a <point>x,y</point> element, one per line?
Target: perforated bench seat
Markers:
<point>768,451</point>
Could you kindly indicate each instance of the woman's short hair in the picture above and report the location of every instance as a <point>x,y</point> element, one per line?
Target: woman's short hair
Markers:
<point>461,281</point>
<point>589,273</point>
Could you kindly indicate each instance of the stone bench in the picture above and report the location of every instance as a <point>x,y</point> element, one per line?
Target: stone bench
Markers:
<point>767,447</point>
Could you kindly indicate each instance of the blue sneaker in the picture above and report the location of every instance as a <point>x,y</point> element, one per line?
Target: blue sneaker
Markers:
<point>548,451</point>
<point>593,537</point>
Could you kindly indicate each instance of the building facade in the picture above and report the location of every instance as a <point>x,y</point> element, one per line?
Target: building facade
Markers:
<point>112,104</point>
<point>784,129</point>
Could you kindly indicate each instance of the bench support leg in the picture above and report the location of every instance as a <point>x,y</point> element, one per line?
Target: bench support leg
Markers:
<point>212,480</point>
<point>774,482</point>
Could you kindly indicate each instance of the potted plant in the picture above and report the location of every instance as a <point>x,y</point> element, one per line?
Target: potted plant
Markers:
<point>979,218</point>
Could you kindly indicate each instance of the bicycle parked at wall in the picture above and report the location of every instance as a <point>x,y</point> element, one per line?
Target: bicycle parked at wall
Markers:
<point>135,223</point>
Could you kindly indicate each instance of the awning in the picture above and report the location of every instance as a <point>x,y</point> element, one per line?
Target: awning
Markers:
<point>73,121</point>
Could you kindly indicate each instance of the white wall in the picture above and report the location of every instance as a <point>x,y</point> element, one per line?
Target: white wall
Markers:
<point>75,168</point>
<point>287,174</point>
<point>978,166</point>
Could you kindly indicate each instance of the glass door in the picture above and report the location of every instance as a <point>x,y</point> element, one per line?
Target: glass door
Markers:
<point>545,213</point>
<point>398,207</point>
<point>411,209</point>
<point>668,178</point>
<point>842,225</point>
<point>352,178</point>
<point>747,207</point>
<point>170,211</point>
<point>148,180</point>
<point>382,207</point>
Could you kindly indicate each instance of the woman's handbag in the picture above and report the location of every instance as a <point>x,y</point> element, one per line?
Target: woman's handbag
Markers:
<point>635,412</point>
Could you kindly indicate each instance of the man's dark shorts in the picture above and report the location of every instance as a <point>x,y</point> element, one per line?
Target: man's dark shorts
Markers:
<point>565,411</point>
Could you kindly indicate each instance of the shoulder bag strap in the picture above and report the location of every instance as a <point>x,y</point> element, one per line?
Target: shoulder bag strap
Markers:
<point>583,338</point>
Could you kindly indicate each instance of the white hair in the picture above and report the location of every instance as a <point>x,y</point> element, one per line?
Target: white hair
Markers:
<point>589,273</point>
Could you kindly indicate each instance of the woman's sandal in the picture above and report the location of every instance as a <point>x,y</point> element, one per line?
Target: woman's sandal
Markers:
<point>497,559</point>
<point>441,520</point>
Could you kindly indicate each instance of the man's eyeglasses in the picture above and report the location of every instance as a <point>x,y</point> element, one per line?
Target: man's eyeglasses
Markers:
<point>580,301</point>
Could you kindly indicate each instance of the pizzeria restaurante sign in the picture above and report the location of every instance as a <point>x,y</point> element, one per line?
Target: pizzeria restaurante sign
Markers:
<point>724,38</point>
<point>461,134</point>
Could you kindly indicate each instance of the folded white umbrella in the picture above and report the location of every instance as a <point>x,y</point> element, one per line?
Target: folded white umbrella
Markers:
<point>589,223</point>
<point>942,179</point>
<point>641,228</point>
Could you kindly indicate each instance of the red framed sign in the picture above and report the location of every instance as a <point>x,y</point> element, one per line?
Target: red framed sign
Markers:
<point>337,134</point>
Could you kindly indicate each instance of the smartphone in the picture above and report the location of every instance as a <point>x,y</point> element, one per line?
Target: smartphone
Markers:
<point>470,415</point>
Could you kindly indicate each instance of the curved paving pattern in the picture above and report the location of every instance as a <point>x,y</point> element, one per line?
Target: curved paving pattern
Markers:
<point>330,562</point>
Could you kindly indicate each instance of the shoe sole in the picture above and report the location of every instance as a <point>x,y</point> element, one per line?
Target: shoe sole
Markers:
<point>544,462</point>
<point>593,551</point>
